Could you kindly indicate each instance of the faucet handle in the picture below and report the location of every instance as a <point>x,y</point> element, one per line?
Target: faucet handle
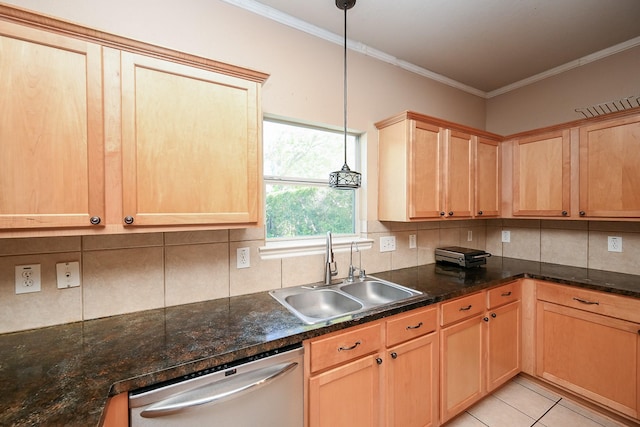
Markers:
<point>362,275</point>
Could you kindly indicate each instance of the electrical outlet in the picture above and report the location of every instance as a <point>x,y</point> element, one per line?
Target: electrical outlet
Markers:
<point>412,241</point>
<point>614,244</point>
<point>243,258</point>
<point>506,236</point>
<point>68,274</point>
<point>27,278</point>
<point>469,236</point>
<point>387,243</point>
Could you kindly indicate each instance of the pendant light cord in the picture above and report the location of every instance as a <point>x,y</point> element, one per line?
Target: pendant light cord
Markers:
<point>345,83</point>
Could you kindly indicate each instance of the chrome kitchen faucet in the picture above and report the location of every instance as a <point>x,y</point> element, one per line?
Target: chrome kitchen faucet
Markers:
<point>330,267</point>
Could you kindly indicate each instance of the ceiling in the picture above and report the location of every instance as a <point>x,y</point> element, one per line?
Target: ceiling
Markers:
<point>486,47</point>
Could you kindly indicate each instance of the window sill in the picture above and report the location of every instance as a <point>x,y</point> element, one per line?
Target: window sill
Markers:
<point>293,248</point>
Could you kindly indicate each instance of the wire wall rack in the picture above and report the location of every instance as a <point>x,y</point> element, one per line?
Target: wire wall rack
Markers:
<point>610,107</point>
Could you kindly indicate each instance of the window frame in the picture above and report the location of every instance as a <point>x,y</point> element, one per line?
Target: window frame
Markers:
<point>298,242</point>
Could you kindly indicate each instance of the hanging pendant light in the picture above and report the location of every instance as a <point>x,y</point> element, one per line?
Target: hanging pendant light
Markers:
<point>345,178</point>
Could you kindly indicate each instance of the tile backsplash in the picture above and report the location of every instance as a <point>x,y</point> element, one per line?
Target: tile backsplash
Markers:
<point>128,273</point>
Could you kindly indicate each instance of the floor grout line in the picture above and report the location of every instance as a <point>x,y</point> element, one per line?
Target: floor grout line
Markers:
<point>546,412</point>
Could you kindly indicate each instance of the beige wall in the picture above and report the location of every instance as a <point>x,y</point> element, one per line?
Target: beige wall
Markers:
<point>554,100</point>
<point>129,273</point>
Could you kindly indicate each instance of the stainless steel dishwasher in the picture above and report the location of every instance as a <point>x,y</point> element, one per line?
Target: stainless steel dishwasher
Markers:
<point>264,390</point>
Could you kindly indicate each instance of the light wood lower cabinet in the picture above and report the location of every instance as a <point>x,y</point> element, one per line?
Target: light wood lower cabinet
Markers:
<point>480,346</point>
<point>582,347</point>
<point>382,374</point>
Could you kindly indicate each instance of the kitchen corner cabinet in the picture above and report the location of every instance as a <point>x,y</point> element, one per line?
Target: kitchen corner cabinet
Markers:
<point>588,342</point>
<point>542,175</point>
<point>610,168</point>
<point>51,130</point>
<point>379,374</point>
<point>480,345</point>
<point>190,145</point>
<point>427,169</point>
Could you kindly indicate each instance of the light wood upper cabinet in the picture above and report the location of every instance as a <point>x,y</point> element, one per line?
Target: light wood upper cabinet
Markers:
<point>542,175</point>
<point>487,178</point>
<point>427,169</point>
<point>610,168</point>
<point>51,133</point>
<point>459,175</point>
<point>190,145</point>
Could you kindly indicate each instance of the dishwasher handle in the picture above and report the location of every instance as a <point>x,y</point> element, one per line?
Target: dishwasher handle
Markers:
<point>220,391</point>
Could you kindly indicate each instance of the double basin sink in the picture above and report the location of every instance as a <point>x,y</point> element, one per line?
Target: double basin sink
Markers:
<point>322,303</point>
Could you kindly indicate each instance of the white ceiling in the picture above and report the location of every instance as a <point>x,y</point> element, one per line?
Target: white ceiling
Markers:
<point>486,47</point>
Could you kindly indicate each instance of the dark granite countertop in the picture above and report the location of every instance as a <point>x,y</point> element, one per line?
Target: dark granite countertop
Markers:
<point>63,375</point>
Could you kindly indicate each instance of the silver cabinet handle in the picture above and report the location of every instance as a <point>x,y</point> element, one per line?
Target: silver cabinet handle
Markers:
<point>349,348</point>
<point>584,301</point>
<point>218,391</point>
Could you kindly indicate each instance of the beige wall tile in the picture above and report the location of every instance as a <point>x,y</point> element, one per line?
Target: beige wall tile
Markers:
<point>39,245</point>
<point>428,241</point>
<point>263,275</point>
<point>122,281</point>
<point>374,261</point>
<point>428,225</point>
<point>568,247</point>
<point>242,234</point>
<point>478,237</point>
<point>520,223</point>
<point>195,237</point>
<point>565,225</point>
<point>403,226</point>
<point>121,241</point>
<point>196,273</point>
<point>449,237</point>
<point>494,241</point>
<point>304,270</point>
<point>379,226</point>
<point>624,262</point>
<point>50,306</point>
<point>525,244</point>
<point>403,256</point>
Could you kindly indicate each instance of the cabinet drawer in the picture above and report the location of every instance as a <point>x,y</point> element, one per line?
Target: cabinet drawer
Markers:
<point>604,303</point>
<point>411,325</point>
<point>503,295</point>
<point>345,346</point>
<point>462,308</point>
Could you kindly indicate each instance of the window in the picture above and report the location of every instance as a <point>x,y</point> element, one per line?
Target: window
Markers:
<point>297,162</point>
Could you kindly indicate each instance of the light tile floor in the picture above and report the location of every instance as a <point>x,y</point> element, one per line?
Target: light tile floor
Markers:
<point>523,403</point>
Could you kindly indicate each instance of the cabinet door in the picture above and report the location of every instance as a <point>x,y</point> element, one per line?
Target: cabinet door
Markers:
<point>487,178</point>
<point>190,145</point>
<point>425,183</point>
<point>503,344</point>
<point>542,175</point>
<point>610,169</point>
<point>595,356</point>
<point>412,383</point>
<point>459,176</point>
<point>461,366</point>
<point>348,395</point>
<point>51,132</point>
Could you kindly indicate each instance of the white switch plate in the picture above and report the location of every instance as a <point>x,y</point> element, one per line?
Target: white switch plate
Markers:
<point>27,278</point>
<point>243,258</point>
<point>469,236</point>
<point>614,244</point>
<point>412,241</point>
<point>68,274</point>
<point>506,236</point>
<point>387,243</point>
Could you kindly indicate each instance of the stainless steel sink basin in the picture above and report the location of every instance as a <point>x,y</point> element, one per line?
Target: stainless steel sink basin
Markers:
<point>376,292</point>
<point>323,303</point>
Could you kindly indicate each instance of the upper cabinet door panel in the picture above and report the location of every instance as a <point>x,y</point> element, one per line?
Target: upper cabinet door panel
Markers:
<point>459,175</point>
<point>191,152</point>
<point>542,175</point>
<point>51,133</point>
<point>425,179</point>
<point>487,178</point>
<point>610,169</point>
